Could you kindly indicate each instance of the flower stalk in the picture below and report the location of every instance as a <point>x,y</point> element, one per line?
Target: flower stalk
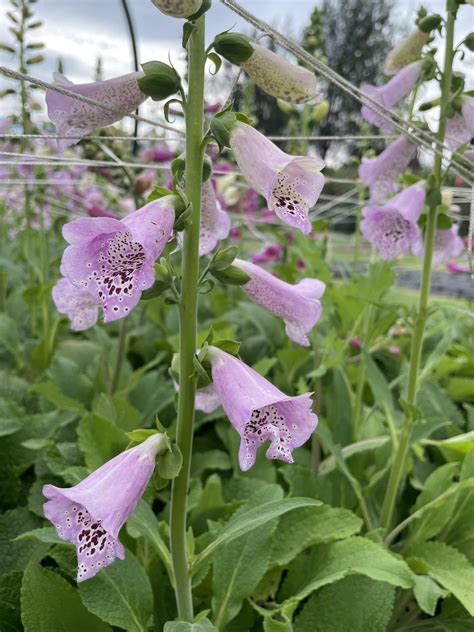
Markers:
<point>188,318</point>
<point>399,462</point>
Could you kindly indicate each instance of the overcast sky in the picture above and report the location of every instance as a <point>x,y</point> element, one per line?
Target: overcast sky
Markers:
<point>79,31</point>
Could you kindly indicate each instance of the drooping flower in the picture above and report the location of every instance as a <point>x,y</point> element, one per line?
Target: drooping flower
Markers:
<point>91,514</point>
<point>457,268</point>
<point>178,8</point>
<point>72,117</point>
<point>390,94</point>
<point>460,128</point>
<point>80,306</point>
<point>298,305</point>
<point>114,259</point>
<point>447,244</point>
<point>380,173</point>
<point>215,223</point>
<point>279,78</point>
<point>408,50</point>
<point>393,227</point>
<point>290,184</point>
<point>259,411</point>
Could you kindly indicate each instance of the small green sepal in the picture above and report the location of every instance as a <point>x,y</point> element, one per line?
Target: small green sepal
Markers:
<point>235,47</point>
<point>160,81</point>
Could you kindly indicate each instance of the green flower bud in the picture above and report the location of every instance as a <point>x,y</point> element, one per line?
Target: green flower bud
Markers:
<point>430,23</point>
<point>178,8</point>
<point>160,81</point>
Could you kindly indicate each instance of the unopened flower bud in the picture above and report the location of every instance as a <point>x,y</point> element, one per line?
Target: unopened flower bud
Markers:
<point>405,52</point>
<point>178,8</point>
<point>320,111</point>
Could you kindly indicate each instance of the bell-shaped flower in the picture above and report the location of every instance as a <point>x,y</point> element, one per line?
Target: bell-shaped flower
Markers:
<point>279,78</point>
<point>447,245</point>
<point>393,228</point>
<point>178,8</point>
<point>290,184</point>
<point>79,305</point>
<point>114,259</point>
<point>120,96</point>
<point>460,128</point>
<point>408,50</point>
<point>91,514</point>
<point>259,411</point>
<point>215,223</point>
<point>298,305</point>
<point>380,173</point>
<point>390,94</point>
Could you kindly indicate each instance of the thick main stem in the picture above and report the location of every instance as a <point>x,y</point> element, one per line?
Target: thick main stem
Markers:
<point>188,318</point>
<point>401,454</point>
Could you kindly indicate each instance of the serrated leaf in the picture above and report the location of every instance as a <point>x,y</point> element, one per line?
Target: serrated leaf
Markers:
<point>120,594</point>
<point>448,567</point>
<point>47,599</point>
<point>249,521</point>
<point>356,603</point>
<point>203,625</point>
<point>311,525</point>
<point>16,555</point>
<point>327,563</point>
<point>428,593</point>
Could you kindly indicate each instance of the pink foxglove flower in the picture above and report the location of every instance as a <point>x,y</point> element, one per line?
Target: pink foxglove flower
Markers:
<point>280,78</point>
<point>207,399</point>
<point>114,259</point>
<point>390,94</point>
<point>215,223</point>
<point>447,244</point>
<point>460,128</point>
<point>380,173</point>
<point>259,411</point>
<point>290,184</point>
<point>91,514</point>
<point>76,118</point>
<point>298,305</point>
<point>408,50</point>
<point>178,8</point>
<point>393,227</point>
<point>457,268</point>
<point>80,306</point>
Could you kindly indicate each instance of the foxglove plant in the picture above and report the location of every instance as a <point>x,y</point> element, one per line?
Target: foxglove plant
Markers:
<point>91,514</point>
<point>114,259</point>
<point>79,305</point>
<point>298,305</point>
<point>291,185</point>
<point>391,93</point>
<point>73,118</point>
<point>380,173</point>
<point>259,411</point>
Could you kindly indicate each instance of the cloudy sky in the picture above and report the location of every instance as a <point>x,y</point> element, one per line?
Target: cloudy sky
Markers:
<point>80,31</point>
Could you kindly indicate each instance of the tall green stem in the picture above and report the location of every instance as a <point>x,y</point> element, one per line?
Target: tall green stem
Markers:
<point>188,318</point>
<point>399,462</point>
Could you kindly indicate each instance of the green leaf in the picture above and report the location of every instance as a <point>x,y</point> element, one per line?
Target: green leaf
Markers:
<point>311,525</point>
<point>44,534</point>
<point>327,563</point>
<point>15,555</point>
<point>448,567</point>
<point>11,417</point>
<point>231,276</point>
<point>222,259</point>
<point>99,440</point>
<point>120,594</point>
<point>460,444</point>
<point>339,407</point>
<point>237,570</point>
<point>356,603</point>
<point>49,602</point>
<point>143,523</point>
<point>203,625</point>
<point>228,345</point>
<point>216,60</point>
<point>53,393</point>
<point>249,521</point>
<point>427,593</point>
<point>378,383</point>
<point>10,615</point>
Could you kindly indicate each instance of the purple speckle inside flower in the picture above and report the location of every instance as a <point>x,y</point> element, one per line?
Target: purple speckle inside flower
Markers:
<point>120,259</point>
<point>288,201</point>
<point>267,423</point>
